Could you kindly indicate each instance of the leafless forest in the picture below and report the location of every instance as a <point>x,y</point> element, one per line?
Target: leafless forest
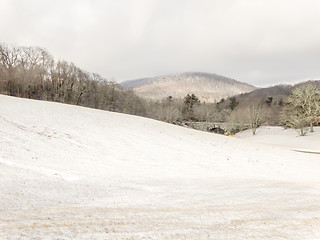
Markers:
<point>32,72</point>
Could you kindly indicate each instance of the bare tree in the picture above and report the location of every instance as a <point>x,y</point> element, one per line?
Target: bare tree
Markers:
<point>168,110</point>
<point>302,108</point>
<point>237,120</point>
<point>9,60</point>
<point>255,118</point>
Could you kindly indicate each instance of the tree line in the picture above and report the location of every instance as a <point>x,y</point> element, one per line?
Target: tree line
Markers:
<point>32,72</point>
<point>300,110</point>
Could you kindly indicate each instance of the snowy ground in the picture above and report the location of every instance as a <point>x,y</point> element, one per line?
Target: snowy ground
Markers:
<point>286,138</point>
<point>74,173</point>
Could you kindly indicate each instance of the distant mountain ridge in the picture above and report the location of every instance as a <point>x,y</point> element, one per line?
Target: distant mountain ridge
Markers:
<point>276,92</point>
<point>208,87</point>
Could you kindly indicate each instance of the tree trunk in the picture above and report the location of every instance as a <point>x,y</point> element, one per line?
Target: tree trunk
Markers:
<point>311,127</point>
<point>302,132</point>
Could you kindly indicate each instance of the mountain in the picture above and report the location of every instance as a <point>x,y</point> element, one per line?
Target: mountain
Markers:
<point>207,87</point>
<point>276,93</point>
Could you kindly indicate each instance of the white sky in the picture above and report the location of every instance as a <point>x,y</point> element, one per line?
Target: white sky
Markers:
<point>262,42</point>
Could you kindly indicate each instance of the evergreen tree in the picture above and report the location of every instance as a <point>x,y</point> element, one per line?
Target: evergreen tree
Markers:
<point>189,102</point>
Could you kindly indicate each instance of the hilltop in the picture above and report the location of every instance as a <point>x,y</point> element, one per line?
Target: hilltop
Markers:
<point>207,87</point>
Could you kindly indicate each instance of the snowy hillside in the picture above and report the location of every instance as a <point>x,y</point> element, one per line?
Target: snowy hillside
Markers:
<point>208,87</point>
<point>69,172</point>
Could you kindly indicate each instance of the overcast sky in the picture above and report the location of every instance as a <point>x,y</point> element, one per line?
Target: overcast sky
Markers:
<point>262,42</point>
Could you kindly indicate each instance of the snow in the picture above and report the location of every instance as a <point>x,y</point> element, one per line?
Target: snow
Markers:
<point>287,138</point>
<point>69,172</point>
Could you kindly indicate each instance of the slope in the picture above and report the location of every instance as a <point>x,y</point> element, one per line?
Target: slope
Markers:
<point>278,93</point>
<point>208,87</point>
<point>70,172</point>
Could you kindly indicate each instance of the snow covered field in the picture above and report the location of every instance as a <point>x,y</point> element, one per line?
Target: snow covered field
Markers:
<point>69,172</point>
